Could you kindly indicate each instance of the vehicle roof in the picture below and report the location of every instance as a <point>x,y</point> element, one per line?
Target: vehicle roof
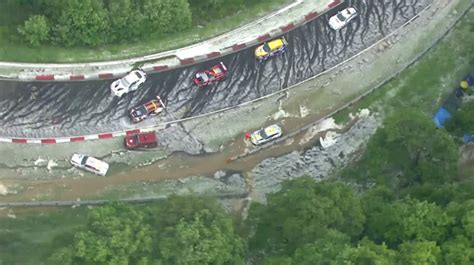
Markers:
<point>273,129</point>
<point>275,44</point>
<point>131,77</point>
<point>148,137</point>
<point>217,69</point>
<point>203,76</point>
<point>152,105</point>
<point>96,163</point>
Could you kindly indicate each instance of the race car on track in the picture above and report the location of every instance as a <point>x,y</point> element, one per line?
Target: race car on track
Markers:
<point>342,18</point>
<point>265,134</point>
<point>271,48</point>
<point>141,140</point>
<point>150,108</point>
<point>132,81</point>
<point>90,164</point>
<point>207,77</point>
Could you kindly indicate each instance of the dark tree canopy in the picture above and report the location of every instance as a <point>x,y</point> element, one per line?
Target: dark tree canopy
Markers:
<point>303,211</point>
<point>408,151</point>
<point>97,22</point>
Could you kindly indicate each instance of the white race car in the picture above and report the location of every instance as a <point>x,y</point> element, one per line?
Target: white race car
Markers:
<point>265,134</point>
<point>90,164</point>
<point>342,18</point>
<point>132,81</point>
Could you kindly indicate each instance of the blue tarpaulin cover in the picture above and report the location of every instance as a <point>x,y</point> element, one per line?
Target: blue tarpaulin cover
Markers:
<point>441,116</point>
<point>468,138</point>
<point>470,79</point>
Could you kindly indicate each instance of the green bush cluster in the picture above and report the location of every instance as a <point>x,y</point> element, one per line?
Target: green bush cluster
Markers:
<point>96,22</point>
<point>409,206</point>
<point>390,207</point>
<point>178,231</point>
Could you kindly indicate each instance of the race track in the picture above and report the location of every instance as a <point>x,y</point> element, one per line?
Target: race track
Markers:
<point>42,109</point>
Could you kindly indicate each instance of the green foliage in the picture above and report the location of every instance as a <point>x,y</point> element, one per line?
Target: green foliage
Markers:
<point>459,250</point>
<point>324,250</point>
<point>35,30</point>
<point>166,16</point>
<point>206,239</point>
<point>462,120</point>
<point>82,22</point>
<point>115,234</point>
<point>276,261</point>
<point>419,253</point>
<point>125,20</point>
<point>97,22</point>
<point>408,150</point>
<point>303,211</point>
<point>407,220</point>
<point>178,231</point>
<point>366,252</point>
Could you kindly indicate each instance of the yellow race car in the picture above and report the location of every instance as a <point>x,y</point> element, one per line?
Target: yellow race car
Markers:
<point>271,48</point>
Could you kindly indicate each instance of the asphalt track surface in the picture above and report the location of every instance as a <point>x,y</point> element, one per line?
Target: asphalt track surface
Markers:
<point>42,109</point>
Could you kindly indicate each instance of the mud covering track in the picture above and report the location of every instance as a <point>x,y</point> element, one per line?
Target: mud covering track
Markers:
<point>42,109</point>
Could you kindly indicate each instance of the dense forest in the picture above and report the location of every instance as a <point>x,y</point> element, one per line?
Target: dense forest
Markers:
<point>96,22</point>
<point>405,201</point>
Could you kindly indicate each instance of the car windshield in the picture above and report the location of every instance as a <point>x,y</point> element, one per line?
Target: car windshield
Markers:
<point>341,17</point>
<point>217,70</point>
<point>263,134</point>
<point>84,160</point>
<point>135,139</point>
<point>125,82</point>
<point>138,75</point>
<point>266,47</point>
<point>140,111</point>
<point>202,77</point>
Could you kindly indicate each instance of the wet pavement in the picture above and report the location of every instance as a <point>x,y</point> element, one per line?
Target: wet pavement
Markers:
<point>42,109</point>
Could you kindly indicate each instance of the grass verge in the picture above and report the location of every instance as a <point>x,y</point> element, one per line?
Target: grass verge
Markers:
<point>29,235</point>
<point>425,84</point>
<point>12,48</point>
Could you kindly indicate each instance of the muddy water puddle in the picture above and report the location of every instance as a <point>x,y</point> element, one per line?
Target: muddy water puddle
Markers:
<point>178,165</point>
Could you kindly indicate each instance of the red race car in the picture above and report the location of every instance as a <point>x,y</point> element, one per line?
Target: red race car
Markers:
<point>151,108</point>
<point>141,140</point>
<point>207,77</point>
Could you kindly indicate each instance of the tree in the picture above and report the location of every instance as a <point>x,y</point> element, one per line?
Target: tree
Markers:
<point>408,150</point>
<point>459,251</point>
<point>82,22</point>
<point>301,212</point>
<point>366,252</point>
<point>116,234</point>
<point>419,253</point>
<point>167,16</point>
<point>324,250</point>
<point>468,224</point>
<point>125,20</point>
<point>206,239</point>
<point>462,120</point>
<point>408,220</point>
<point>277,261</point>
<point>35,30</point>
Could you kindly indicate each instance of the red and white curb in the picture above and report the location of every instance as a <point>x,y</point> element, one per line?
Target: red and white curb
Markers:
<point>157,127</point>
<point>73,139</point>
<point>181,62</point>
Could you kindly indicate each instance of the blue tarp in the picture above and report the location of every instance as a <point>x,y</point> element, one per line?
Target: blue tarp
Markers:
<point>468,138</point>
<point>441,116</point>
<point>470,79</point>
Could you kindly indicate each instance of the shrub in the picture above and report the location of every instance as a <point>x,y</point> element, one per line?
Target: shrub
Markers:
<point>35,30</point>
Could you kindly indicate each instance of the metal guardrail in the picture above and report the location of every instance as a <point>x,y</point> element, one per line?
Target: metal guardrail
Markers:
<point>365,94</point>
<point>162,124</point>
<point>240,195</point>
<point>246,194</point>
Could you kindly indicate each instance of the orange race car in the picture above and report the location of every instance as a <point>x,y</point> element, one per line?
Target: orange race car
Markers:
<point>151,108</point>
